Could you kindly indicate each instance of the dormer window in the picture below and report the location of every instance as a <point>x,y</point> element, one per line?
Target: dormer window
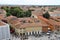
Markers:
<point>24,21</point>
<point>32,16</point>
<point>29,21</point>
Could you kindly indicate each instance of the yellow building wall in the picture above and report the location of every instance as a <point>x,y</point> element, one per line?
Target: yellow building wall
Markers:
<point>17,30</point>
<point>29,29</point>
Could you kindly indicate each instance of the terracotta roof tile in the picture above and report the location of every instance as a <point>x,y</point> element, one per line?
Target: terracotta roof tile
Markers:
<point>25,25</point>
<point>19,24</point>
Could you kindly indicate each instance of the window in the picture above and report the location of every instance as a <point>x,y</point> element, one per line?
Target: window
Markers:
<point>38,32</point>
<point>23,33</point>
<point>24,21</point>
<point>32,16</point>
<point>20,34</point>
<point>26,33</point>
<point>29,33</point>
<point>33,33</point>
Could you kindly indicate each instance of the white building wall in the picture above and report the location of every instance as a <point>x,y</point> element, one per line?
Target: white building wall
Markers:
<point>4,32</point>
<point>55,15</point>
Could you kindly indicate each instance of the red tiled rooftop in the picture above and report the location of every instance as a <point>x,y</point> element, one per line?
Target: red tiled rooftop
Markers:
<point>45,20</point>
<point>19,24</point>
<point>31,25</point>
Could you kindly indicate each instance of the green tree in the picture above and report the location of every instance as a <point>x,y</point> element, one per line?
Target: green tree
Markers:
<point>17,11</point>
<point>46,15</point>
<point>28,13</point>
<point>8,14</point>
<point>20,14</point>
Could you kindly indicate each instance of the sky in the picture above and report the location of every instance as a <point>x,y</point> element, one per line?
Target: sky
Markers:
<point>29,2</point>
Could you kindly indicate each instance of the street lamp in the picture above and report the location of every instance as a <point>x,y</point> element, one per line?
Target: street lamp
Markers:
<point>48,33</point>
<point>49,30</point>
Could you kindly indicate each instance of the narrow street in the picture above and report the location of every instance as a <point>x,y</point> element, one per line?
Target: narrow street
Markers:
<point>44,37</point>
